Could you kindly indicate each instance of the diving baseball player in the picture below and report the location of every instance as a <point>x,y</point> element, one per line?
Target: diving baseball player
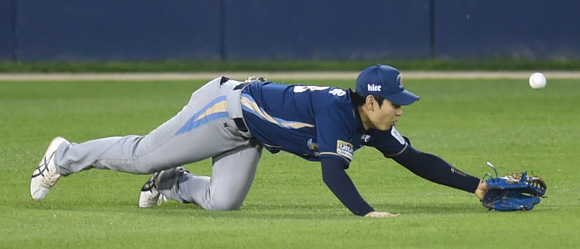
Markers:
<point>231,122</point>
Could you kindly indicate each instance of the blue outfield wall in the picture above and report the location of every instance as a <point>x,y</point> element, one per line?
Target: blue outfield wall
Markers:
<point>533,29</point>
<point>342,29</point>
<point>117,30</point>
<point>107,30</point>
<point>6,29</point>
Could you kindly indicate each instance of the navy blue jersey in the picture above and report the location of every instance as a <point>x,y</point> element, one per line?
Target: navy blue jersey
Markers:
<point>311,122</point>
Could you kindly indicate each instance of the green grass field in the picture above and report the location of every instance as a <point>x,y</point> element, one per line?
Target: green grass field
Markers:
<point>467,122</point>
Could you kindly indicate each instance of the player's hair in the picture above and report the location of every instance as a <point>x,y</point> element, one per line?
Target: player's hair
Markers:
<point>359,100</point>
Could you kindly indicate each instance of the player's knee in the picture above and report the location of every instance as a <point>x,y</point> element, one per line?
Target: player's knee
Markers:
<point>143,170</point>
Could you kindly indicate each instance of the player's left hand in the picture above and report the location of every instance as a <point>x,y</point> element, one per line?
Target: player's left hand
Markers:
<point>375,214</point>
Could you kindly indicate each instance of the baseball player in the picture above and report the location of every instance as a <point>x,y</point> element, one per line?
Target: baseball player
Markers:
<point>231,122</point>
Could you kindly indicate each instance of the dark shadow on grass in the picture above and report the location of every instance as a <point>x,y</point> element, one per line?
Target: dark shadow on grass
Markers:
<point>429,208</point>
<point>281,211</point>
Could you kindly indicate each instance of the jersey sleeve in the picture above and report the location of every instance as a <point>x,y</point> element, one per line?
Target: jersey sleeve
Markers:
<point>335,177</point>
<point>335,125</point>
<point>391,143</point>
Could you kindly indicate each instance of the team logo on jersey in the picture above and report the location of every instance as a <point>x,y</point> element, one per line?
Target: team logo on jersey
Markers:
<point>312,145</point>
<point>400,80</point>
<point>344,149</point>
<point>366,138</point>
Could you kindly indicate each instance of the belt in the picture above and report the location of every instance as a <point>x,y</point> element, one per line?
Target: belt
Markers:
<point>241,124</point>
<point>235,108</point>
<point>241,86</point>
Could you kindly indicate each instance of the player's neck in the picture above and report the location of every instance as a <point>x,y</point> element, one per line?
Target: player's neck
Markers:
<point>366,122</point>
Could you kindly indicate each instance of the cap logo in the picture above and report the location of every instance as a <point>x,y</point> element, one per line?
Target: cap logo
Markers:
<point>374,88</point>
<point>400,80</point>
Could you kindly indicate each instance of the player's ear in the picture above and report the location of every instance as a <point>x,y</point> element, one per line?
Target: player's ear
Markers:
<point>369,99</point>
<point>370,102</point>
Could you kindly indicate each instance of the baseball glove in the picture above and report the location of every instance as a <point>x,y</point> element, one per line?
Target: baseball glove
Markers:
<point>513,192</point>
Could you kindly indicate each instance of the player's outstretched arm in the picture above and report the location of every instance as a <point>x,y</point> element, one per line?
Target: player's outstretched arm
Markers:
<point>435,169</point>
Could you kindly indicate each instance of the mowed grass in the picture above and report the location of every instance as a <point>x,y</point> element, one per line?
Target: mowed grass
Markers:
<point>467,122</point>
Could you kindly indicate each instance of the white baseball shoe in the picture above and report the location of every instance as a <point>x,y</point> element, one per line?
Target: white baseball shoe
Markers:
<point>45,175</point>
<point>150,194</point>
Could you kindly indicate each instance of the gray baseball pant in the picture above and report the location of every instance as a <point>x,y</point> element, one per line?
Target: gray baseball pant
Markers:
<point>204,128</point>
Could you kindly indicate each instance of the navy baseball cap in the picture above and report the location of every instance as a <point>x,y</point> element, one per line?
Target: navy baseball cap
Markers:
<point>385,81</point>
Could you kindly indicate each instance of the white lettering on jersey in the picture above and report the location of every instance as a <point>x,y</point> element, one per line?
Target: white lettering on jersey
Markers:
<point>374,88</point>
<point>299,89</point>
<point>338,92</point>
<point>398,136</point>
<point>344,149</point>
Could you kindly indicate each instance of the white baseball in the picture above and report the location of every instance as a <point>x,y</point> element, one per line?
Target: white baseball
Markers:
<point>538,80</point>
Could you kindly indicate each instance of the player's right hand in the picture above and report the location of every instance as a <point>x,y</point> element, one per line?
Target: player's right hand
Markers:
<point>375,214</point>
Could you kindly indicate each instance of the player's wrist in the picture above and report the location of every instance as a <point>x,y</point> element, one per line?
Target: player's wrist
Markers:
<point>481,188</point>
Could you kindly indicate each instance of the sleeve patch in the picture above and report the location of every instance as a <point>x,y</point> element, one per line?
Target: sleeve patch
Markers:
<point>345,149</point>
<point>398,136</point>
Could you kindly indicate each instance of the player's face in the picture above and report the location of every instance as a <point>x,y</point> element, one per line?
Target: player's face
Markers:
<point>383,117</point>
